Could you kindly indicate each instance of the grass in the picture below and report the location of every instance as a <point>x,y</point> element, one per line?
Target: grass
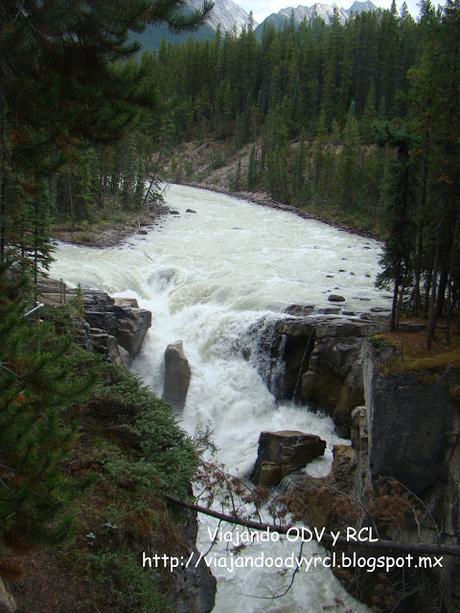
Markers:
<point>413,355</point>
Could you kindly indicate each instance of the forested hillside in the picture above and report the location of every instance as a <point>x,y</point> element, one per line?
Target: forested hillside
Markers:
<point>359,121</point>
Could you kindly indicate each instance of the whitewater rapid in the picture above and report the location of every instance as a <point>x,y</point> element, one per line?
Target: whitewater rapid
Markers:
<point>208,277</point>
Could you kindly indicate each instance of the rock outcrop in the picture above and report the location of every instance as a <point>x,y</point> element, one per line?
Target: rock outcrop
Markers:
<point>284,452</point>
<point>177,376</point>
<point>113,327</point>
<point>195,586</point>
<point>317,359</point>
<point>118,317</point>
<point>401,475</point>
<point>410,415</point>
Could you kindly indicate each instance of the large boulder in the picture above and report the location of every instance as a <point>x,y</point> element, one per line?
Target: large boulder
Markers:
<point>300,310</point>
<point>131,325</point>
<point>121,318</point>
<point>108,346</point>
<point>284,452</point>
<point>177,376</point>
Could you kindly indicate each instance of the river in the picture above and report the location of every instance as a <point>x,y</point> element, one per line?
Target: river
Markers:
<point>207,277</point>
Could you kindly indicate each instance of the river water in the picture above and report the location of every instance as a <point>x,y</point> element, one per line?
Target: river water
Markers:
<point>208,277</point>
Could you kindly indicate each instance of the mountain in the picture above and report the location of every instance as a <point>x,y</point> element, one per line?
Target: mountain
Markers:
<point>362,7</point>
<point>317,10</point>
<point>323,11</point>
<point>226,14</point>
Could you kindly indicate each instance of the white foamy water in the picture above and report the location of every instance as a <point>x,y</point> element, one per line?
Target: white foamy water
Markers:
<point>207,277</point>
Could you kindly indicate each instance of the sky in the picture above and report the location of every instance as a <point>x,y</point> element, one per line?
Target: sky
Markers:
<point>263,8</point>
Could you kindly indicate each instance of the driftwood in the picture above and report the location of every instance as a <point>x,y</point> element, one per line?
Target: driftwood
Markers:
<point>388,546</point>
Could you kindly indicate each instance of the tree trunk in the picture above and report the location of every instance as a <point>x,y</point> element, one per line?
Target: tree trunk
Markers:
<point>2,183</point>
<point>433,310</point>
<point>327,539</point>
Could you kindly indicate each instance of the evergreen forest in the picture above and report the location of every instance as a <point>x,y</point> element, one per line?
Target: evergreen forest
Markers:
<point>359,122</point>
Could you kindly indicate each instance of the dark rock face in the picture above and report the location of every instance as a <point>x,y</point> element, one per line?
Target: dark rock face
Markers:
<point>195,587</point>
<point>284,452</point>
<point>407,431</point>
<point>409,417</point>
<point>316,360</point>
<point>119,318</point>
<point>177,376</point>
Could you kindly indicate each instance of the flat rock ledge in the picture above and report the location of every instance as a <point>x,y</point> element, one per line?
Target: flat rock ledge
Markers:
<point>113,327</point>
<point>283,452</point>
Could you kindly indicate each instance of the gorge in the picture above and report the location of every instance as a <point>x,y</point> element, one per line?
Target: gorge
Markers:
<point>209,280</point>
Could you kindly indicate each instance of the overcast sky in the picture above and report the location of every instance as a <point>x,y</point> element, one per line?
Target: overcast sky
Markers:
<point>263,8</point>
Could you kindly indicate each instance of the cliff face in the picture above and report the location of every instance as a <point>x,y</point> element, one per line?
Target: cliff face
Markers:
<point>402,473</point>
<point>409,431</point>
<point>317,359</point>
<point>411,419</point>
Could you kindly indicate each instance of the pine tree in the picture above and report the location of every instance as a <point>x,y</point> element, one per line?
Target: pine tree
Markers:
<point>38,387</point>
<point>252,169</point>
<point>349,163</point>
<point>397,261</point>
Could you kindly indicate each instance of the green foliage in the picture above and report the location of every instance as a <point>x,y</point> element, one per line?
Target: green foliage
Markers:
<point>67,94</point>
<point>36,432</point>
<point>116,580</point>
<point>167,459</point>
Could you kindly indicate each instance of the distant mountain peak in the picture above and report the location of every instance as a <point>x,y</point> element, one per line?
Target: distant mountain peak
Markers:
<point>362,7</point>
<point>319,10</point>
<point>226,14</point>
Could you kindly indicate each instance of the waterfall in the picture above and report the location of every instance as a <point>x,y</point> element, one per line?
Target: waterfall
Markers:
<point>219,280</point>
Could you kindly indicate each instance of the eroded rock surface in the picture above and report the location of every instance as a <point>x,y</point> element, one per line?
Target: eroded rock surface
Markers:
<point>317,359</point>
<point>113,327</point>
<point>284,452</point>
<point>177,376</point>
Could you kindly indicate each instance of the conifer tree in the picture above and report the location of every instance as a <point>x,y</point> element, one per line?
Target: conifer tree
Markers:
<point>37,389</point>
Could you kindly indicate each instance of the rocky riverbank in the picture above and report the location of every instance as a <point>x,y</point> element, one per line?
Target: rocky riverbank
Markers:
<point>264,199</point>
<point>210,165</point>
<point>113,230</point>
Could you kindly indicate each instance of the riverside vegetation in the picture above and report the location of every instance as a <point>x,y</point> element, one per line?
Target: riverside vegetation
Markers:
<point>77,502</point>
